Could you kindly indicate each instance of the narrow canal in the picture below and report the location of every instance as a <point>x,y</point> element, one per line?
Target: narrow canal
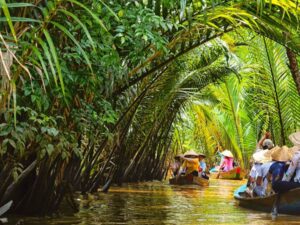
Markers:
<point>160,203</point>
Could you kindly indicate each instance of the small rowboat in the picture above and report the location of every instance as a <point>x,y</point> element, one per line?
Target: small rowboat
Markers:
<point>289,202</point>
<point>236,173</point>
<point>189,179</point>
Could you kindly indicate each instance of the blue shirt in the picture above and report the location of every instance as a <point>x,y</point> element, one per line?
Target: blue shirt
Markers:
<point>202,165</point>
<point>277,171</point>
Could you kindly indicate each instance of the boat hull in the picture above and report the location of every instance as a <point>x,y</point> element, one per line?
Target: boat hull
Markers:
<point>236,173</point>
<point>188,180</point>
<point>289,202</point>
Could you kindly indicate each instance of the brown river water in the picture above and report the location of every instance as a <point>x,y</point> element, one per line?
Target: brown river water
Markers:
<point>161,203</point>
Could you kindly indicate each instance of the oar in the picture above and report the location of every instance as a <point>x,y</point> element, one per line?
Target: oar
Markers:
<point>274,211</point>
<point>5,208</point>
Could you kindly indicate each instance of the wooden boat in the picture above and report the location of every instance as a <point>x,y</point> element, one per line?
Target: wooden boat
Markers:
<point>289,202</point>
<point>189,179</point>
<point>236,173</point>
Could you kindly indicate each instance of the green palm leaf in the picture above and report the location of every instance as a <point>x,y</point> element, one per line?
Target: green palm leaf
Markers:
<point>80,23</point>
<point>95,17</point>
<point>8,18</point>
<point>55,58</point>
<point>63,29</point>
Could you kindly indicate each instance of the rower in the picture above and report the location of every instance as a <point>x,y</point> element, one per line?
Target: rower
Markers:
<point>227,163</point>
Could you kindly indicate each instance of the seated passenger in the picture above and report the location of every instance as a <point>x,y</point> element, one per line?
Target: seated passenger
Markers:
<point>261,181</point>
<point>276,171</point>
<point>191,163</point>
<point>227,163</point>
<point>202,166</point>
<point>253,174</point>
<point>265,142</point>
<point>259,158</point>
<point>287,182</point>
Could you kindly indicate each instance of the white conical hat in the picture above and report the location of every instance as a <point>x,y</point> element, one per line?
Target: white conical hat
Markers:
<point>295,138</point>
<point>227,153</point>
<point>262,156</point>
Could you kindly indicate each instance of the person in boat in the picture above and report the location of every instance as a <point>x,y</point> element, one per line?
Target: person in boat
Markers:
<point>176,165</point>
<point>190,163</point>
<point>291,178</point>
<point>227,163</point>
<point>267,144</point>
<point>202,166</point>
<point>280,156</point>
<point>261,184</point>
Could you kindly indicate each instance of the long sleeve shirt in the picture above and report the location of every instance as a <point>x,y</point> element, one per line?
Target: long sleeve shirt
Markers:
<point>227,164</point>
<point>190,165</point>
<point>294,167</point>
<point>263,172</point>
<point>202,164</point>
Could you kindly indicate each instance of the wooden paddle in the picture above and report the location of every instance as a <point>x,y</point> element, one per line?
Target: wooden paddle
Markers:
<point>274,211</point>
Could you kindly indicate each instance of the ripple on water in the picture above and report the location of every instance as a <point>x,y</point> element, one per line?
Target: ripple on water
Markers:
<point>160,203</point>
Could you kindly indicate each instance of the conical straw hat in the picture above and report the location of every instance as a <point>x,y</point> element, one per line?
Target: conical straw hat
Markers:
<point>178,156</point>
<point>227,153</point>
<point>191,153</point>
<point>262,156</point>
<point>269,152</point>
<point>201,154</point>
<point>295,138</point>
<point>282,154</point>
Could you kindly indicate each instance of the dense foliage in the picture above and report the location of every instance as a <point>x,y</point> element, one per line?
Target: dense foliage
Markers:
<point>236,113</point>
<point>90,90</point>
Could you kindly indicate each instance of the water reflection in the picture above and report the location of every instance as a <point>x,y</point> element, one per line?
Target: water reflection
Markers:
<point>160,203</point>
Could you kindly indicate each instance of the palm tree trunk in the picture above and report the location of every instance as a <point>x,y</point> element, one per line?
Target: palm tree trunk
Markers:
<point>293,64</point>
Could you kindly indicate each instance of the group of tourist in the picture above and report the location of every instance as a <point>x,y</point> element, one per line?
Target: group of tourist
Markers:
<point>189,163</point>
<point>194,163</point>
<point>275,169</point>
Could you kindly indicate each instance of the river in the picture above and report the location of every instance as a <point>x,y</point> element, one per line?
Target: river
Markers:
<point>161,203</point>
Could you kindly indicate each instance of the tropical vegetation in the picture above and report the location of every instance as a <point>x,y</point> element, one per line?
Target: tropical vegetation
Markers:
<point>96,92</point>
